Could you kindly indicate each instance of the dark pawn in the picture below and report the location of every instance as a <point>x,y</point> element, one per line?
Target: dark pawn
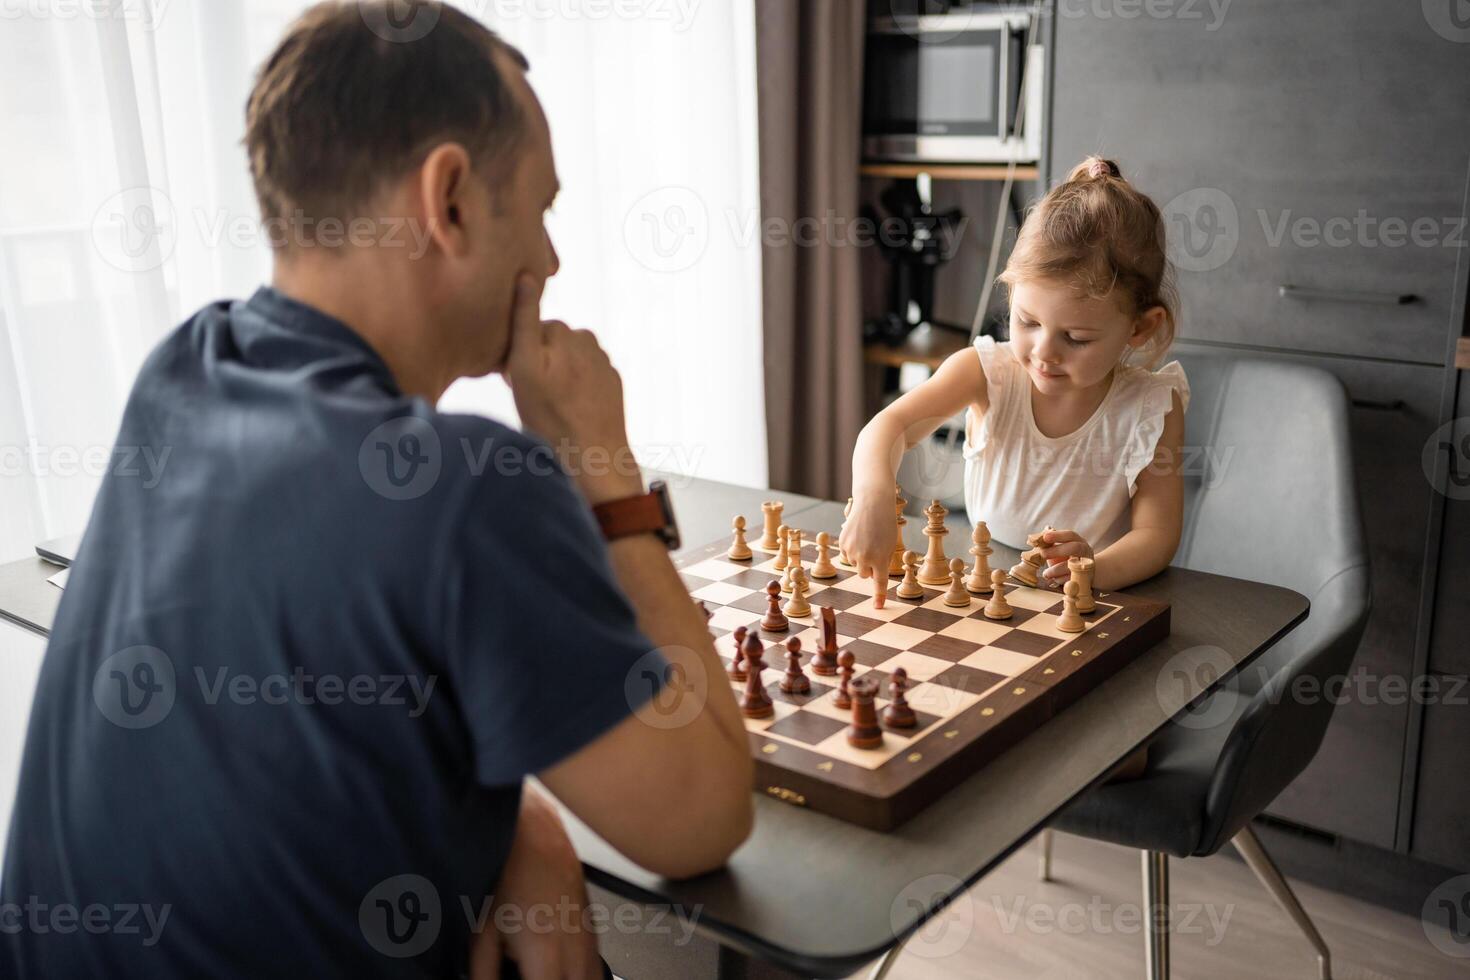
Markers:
<point>775,620</point>
<point>737,671</point>
<point>864,732</point>
<point>795,682</point>
<point>824,661</point>
<point>756,703</point>
<point>898,714</point>
<point>843,697</point>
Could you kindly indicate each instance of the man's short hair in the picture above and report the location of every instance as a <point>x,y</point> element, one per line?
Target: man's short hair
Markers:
<point>344,104</point>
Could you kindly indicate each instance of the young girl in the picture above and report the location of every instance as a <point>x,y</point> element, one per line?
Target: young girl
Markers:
<point>1062,429</point>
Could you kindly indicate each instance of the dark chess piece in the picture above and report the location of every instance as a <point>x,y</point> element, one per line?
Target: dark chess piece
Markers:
<point>898,714</point>
<point>824,661</point>
<point>795,682</point>
<point>775,620</point>
<point>843,697</point>
<point>737,668</point>
<point>756,703</point>
<point>864,732</point>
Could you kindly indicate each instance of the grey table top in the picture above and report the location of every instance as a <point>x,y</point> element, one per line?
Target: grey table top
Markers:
<point>26,598</point>
<point>822,896</point>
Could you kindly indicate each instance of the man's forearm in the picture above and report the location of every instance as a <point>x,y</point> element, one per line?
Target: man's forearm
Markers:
<point>670,618</point>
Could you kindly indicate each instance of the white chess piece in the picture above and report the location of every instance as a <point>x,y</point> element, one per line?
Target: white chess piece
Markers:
<point>797,605</point>
<point>739,550</point>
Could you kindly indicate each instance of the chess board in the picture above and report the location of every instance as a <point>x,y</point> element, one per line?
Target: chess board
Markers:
<point>976,685</point>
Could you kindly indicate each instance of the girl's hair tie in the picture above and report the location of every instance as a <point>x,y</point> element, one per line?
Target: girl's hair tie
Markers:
<point>1100,168</point>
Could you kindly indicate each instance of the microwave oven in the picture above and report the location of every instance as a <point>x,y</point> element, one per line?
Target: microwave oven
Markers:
<point>961,87</point>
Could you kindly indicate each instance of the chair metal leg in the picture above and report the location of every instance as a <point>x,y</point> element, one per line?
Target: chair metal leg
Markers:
<point>881,968</point>
<point>1260,862</point>
<point>1156,914</point>
<point>1046,854</point>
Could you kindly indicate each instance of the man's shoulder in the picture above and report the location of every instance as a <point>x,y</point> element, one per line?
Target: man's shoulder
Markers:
<point>496,458</point>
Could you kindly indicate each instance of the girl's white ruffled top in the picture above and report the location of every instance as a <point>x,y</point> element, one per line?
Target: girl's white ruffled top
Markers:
<point>1019,481</point>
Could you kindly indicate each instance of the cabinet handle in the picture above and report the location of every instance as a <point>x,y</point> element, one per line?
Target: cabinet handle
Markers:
<point>1289,291</point>
<point>1459,479</point>
<point>1395,405</point>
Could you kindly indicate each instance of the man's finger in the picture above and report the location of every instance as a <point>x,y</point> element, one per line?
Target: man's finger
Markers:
<point>540,958</point>
<point>525,325</point>
<point>583,959</point>
<point>485,954</point>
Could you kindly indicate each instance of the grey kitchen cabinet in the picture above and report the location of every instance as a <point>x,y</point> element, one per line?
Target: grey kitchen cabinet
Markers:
<point>1442,793</point>
<point>1441,822</point>
<point>1313,145</point>
<point>1352,787</point>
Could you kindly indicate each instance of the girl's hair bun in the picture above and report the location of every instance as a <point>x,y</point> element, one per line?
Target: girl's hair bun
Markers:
<point>1098,233</point>
<point>1094,168</point>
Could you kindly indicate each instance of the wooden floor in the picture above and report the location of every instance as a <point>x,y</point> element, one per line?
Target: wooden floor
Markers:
<point>1085,924</point>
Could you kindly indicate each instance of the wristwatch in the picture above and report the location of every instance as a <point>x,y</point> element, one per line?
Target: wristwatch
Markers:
<point>647,513</point>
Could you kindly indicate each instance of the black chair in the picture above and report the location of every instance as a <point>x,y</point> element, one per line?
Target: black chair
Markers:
<point>1276,503</point>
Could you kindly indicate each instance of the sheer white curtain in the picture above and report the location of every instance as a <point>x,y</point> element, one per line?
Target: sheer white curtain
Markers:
<point>125,205</point>
<point>652,111</point>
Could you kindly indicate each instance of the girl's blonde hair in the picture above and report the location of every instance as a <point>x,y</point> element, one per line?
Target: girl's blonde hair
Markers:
<point>1097,232</point>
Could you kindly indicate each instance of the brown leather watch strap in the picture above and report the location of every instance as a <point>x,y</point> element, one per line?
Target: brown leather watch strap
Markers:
<point>642,514</point>
<point>628,516</point>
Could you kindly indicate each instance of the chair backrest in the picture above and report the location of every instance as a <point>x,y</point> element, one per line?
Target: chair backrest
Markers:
<point>1270,495</point>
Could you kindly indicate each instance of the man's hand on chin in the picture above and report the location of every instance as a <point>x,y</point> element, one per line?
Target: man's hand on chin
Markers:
<point>543,894</point>
<point>568,393</point>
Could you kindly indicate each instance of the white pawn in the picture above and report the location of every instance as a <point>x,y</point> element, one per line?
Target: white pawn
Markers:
<point>739,550</point>
<point>910,588</point>
<point>998,607</point>
<point>781,557</point>
<point>797,606</point>
<point>823,568</point>
<point>957,596</point>
<point>1070,621</point>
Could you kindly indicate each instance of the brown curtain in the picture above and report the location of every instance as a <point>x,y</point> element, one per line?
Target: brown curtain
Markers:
<point>809,65</point>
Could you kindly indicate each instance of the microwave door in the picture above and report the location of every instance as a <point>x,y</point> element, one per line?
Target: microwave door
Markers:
<point>958,86</point>
<point>929,98</point>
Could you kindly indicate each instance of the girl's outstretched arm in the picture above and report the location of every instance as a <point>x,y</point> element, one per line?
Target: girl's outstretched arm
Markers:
<point>868,536</point>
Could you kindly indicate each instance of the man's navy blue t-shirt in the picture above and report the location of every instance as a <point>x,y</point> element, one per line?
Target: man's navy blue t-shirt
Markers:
<point>300,669</point>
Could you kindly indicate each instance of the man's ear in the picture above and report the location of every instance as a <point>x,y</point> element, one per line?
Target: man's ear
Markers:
<point>444,183</point>
<point>1147,324</point>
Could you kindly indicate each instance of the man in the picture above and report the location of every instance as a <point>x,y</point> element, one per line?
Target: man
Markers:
<point>294,689</point>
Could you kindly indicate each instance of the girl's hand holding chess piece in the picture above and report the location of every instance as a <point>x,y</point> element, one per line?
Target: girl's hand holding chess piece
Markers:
<point>1057,547</point>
